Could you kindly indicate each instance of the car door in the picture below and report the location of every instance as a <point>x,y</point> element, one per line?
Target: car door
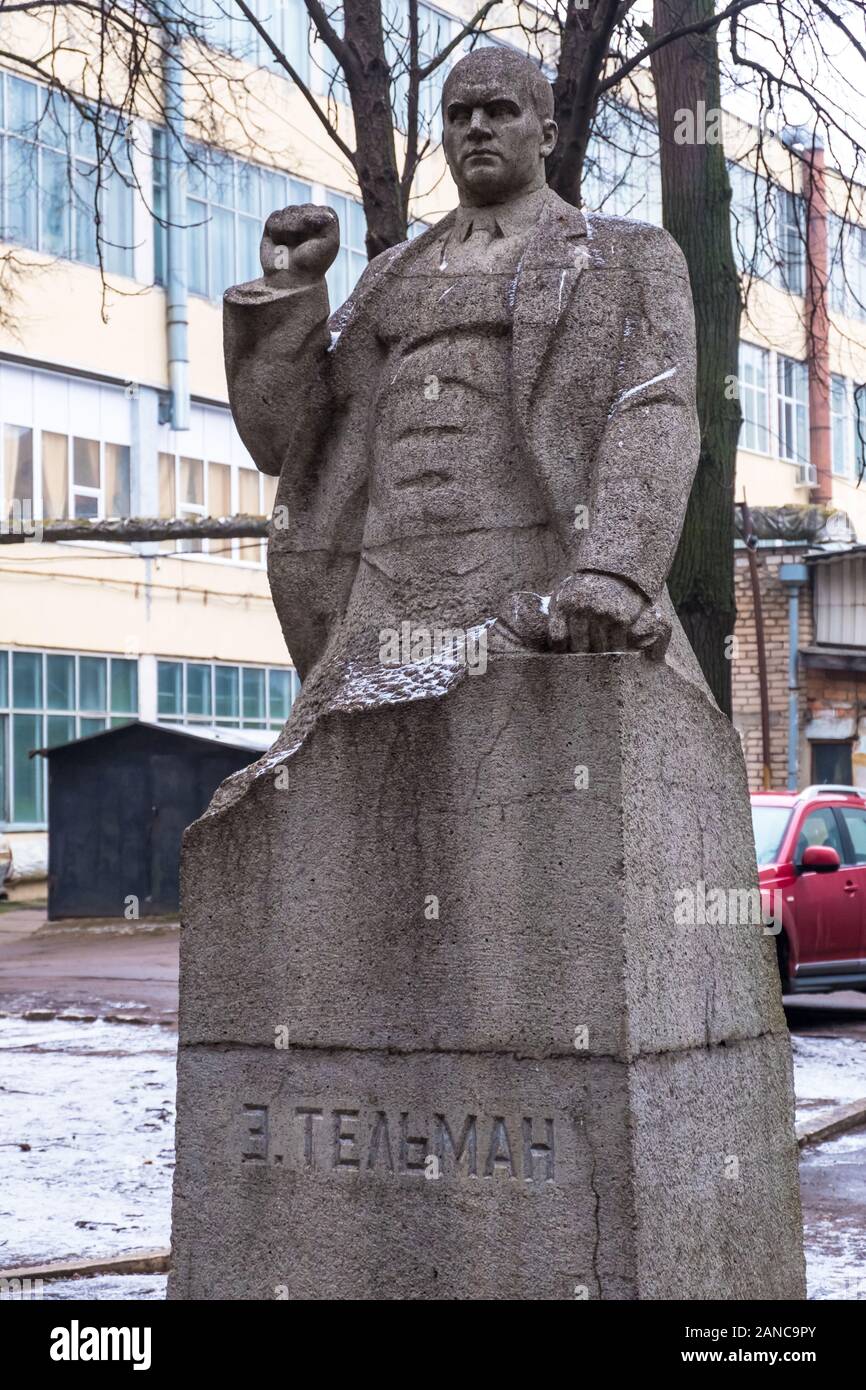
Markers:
<point>827,907</point>
<point>854,821</point>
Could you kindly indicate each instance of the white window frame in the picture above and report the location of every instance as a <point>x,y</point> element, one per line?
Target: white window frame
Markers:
<point>50,403</point>
<point>351,261</point>
<point>202,509</point>
<point>777,403</point>
<point>754,196</point>
<point>847,256</point>
<point>626,179</point>
<point>844,425</point>
<point>76,158</point>
<point>793,410</point>
<point>749,355</point>
<point>841,423</point>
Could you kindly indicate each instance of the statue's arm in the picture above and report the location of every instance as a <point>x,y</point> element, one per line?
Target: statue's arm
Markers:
<point>649,447</point>
<point>275,343</point>
<point>276,337</point>
<point>620,539</point>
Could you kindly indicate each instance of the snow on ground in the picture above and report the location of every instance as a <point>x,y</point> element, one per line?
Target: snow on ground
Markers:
<point>827,1072</point>
<point>87,1149</point>
<point>126,1288</point>
<point>86,1139</point>
<point>833,1187</point>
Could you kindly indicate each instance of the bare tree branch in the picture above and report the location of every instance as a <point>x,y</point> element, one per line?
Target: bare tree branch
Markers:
<point>470,27</point>
<point>297,79</point>
<point>703,27</point>
<point>129,530</point>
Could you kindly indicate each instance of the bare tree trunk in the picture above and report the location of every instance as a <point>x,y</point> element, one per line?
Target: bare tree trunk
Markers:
<point>696,196</point>
<point>585,43</point>
<point>368,78</point>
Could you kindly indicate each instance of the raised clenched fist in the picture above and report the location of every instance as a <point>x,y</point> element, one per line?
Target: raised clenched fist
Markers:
<point>298,245</point>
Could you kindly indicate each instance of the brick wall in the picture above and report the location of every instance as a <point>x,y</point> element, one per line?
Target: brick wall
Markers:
<point>829,696</point>
<point>837,695</point>
<point>746,688</point>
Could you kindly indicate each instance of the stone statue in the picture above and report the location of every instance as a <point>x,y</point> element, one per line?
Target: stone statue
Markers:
<point>499,423</point>
<point>448,1027</point>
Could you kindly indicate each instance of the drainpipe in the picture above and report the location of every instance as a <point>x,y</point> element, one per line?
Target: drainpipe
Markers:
<point>792,577</point>
<point>176,287</point>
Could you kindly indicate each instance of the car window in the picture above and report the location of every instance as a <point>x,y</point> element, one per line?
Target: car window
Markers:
<point>856,823</point>
<point>819,828</point>
<point>769,824</point>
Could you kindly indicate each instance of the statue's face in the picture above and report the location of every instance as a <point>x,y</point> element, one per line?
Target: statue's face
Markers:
<point>495,142</point>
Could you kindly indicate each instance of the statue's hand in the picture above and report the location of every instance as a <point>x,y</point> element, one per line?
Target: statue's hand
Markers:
<point>600,613</point>
<point>298,245</point>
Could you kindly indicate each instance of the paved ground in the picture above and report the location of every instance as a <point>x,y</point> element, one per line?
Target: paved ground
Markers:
<point>87,1108</point>
<point>95,968</point>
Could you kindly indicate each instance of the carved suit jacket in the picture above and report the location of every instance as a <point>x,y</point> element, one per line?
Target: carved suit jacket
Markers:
<point>603,364</point>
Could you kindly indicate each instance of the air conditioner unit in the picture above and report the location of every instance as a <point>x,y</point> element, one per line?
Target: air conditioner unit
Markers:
<point>807,475</point>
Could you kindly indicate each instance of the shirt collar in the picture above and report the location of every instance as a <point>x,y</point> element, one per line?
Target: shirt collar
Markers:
<point>518,215</point>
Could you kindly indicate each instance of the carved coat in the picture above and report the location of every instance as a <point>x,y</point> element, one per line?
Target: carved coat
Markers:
<point>602,376</point>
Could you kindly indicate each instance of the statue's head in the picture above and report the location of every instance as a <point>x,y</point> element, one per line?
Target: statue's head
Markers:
<point>497,118</point>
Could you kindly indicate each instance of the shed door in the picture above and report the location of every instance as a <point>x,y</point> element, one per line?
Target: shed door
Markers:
<point>172,807</point>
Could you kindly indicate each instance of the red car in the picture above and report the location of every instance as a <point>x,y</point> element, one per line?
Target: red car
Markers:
<point>811,849</point>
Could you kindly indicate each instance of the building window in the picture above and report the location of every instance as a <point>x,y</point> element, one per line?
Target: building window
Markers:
<point>224,696</point>
<point>847,251</point>
<point>435,32</point>
<point>859,420</point>
<point>768,228</point>
<point>789,270</point>
<point>848,425</point>
<point>754,386</point>
<point>53,476</point>
<point>330,74</point>
<point>793,409</point>
<point>831,763</point>
<point>228,201</point>
<point>60,167</point>
<point>622,176</point>
<point>344,274</point>
<point>47,698</point>
<point>748,213</point>
<point>195,487</point>
<point>285,20</point>
<point>839,424</point>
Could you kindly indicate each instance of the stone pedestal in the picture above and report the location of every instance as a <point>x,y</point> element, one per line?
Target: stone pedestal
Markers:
<point>446,1031</point>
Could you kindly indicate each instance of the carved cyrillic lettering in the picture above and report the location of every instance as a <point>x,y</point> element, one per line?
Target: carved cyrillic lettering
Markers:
<point>380,1138</point>
<point>255,1148</point>
<point>310,1114</point>
<point>443,1139</point>
<point>499,1154</point>
<point>408,1141</point>
<point>544,1153</point>
<point>342,1138</point>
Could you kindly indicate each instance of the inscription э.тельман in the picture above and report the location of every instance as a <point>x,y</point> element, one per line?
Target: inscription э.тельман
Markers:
<point>358,1140</point>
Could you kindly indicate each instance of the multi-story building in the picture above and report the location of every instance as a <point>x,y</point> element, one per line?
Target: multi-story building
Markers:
<point>113,398</point>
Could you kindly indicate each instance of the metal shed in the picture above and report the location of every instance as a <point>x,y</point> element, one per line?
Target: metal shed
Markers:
<point>118,804</point>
